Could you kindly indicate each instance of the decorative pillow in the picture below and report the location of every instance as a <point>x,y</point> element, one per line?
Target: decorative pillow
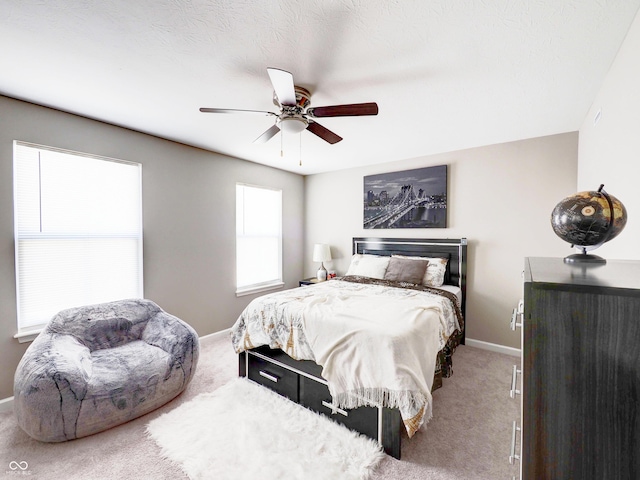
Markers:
<point>436,269</point>
<point>406,270</point>
<point>434,276</point>
<point>373,266</point>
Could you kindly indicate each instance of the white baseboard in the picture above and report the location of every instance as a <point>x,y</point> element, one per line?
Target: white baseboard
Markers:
<point>6,405</point>
<point>217,334</point>
<point>494,347</point>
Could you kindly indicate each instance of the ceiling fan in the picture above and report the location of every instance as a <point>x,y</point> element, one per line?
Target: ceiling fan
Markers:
<point>295,114</point>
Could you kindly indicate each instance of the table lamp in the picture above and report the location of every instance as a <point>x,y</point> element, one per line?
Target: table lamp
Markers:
<point>321,253</point>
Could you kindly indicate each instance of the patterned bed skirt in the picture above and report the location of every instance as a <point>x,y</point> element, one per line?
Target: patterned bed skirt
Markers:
<point>444,362</point>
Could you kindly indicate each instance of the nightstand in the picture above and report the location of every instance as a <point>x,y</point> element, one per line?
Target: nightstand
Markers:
<point>310,281</point>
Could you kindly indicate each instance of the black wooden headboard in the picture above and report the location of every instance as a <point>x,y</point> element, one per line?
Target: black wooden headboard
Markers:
<point>455,249</point>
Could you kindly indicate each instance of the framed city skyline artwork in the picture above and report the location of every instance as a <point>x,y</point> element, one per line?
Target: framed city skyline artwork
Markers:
<point>406,199</point>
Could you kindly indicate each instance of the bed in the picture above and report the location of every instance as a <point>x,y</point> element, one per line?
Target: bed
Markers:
<point>368,348</point>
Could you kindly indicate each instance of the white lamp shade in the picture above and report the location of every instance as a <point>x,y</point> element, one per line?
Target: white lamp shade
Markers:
<point>321,252</point>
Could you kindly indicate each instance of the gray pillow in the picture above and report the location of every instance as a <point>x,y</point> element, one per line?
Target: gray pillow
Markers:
<point>406,270</point>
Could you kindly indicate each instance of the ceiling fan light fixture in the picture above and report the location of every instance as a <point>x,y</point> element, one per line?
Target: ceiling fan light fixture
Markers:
<point>293,124</point>
<point>294,113</point>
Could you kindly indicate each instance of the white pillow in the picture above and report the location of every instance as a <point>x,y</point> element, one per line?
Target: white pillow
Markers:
<point>373,266</point>
<point>436,269</point>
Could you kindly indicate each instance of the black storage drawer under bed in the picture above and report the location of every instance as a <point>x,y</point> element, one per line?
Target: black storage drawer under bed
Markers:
<point>275,377</point>
<point>302,382</point>
<point>316,396</point>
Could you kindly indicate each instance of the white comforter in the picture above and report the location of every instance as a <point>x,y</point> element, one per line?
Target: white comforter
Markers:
<point>377,344</point>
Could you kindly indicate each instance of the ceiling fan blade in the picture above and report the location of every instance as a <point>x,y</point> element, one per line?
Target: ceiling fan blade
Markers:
<point>324,133</point>
<point>351,110</point>
<point>266,136</point>
<point>282,82</point>
<point>233,110</point>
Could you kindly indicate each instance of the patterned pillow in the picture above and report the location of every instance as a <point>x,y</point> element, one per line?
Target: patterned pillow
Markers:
<point>436,269</point>
<point>373,266</point>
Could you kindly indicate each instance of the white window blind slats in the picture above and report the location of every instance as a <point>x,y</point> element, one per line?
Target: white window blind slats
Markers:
<point>55,274</point>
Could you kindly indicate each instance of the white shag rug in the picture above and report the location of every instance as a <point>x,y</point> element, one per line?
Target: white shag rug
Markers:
<point>245,431</point>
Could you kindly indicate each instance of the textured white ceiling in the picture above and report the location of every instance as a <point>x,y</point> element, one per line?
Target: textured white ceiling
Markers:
<point>446,74</point>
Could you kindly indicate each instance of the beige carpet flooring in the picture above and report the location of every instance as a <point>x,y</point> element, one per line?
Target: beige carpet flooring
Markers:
<point>467,438</point>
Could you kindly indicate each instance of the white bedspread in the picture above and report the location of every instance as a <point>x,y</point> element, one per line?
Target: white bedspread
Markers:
<point>377,344</point>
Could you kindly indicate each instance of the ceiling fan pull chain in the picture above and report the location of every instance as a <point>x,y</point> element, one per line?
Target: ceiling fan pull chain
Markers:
<point>281,146</point>
<point>300,148</point>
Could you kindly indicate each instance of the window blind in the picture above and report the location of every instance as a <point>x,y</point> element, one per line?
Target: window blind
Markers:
<point>258,238</point>
<point>78,231</point>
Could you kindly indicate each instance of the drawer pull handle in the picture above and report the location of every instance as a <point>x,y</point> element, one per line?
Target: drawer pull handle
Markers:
<point>514,381</point>
<point>335,409</point>
<point>517,312</point>
<point>513,457</point>
<point>268,376</point>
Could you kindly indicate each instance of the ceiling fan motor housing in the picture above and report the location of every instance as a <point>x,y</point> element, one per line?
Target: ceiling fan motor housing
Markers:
<point>303,97</point>
<point>292,118</point>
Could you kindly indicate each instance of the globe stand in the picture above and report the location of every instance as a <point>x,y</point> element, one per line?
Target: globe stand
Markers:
<point>584,258</point>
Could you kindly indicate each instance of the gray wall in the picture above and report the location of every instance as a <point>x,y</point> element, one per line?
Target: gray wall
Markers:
<point>609,150</point>
<point>189,218</point>
<point>500,198</point>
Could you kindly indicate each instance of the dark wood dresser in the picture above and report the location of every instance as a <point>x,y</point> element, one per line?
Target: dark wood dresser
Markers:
<point>581,370</point>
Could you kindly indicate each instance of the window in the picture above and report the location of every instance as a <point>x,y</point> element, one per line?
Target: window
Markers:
<point>78,231</point>
<point>258,239</point>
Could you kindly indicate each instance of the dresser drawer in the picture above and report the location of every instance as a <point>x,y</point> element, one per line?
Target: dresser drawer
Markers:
<point>316,396</point>
<point>274,377</point>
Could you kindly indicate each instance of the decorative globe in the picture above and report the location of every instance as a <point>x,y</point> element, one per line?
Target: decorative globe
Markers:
<point>586,220</point>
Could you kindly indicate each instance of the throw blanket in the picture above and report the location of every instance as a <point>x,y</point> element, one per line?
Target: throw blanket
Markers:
<point>377,343</point>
